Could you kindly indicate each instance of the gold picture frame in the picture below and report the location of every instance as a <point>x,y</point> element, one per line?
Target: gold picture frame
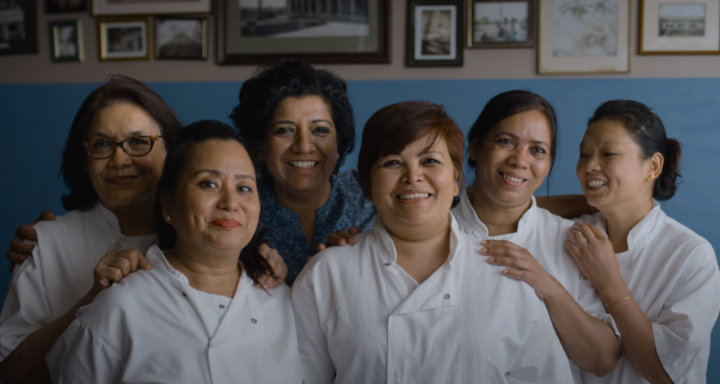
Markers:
<point>124,38</point>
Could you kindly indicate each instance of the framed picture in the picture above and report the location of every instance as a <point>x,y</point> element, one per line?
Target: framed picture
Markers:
<point>434,33</point>
<point>583,36</point>
<point>329,31</point>
<point>679,27</point>
<point>18,27</point>
<point>500,23</point>
<point>181,38</point>
<point>143,7</point>
<point>124,38</point>
<point>66,41</point>
<point>63,6</point>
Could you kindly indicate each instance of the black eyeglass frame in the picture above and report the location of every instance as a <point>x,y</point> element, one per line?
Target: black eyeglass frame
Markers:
<point>121,144</point>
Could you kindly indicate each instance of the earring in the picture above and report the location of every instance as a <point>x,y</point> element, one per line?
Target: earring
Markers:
<point>167,218</point>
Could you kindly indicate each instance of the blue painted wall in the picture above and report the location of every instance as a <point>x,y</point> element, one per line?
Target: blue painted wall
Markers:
<point>35,119</point>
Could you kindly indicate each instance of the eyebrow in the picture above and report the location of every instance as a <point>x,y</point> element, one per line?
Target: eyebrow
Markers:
<point>133,133</point>
<point>293,123</point>
<point>218,173</point>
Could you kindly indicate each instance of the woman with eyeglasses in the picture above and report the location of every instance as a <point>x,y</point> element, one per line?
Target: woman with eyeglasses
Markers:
<point>111,163</point>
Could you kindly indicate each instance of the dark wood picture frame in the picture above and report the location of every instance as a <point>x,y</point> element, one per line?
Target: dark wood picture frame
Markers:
<point>434,33</point>
<point>55,6</point>
<point>20,34</point>
<point>189,40</point>
<point>255,47</point>
<point>66,41</point>
<point>131,32</point>
<point>501,24</point>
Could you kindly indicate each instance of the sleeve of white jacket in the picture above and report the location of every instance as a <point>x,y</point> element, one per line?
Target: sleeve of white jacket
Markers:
<point>79,357</point>
<point>312,342</point>
<point>683,327</point>
<point>542,359</point>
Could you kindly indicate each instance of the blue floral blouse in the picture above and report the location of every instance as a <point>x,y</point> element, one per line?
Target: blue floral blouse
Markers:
<point>346,207</point>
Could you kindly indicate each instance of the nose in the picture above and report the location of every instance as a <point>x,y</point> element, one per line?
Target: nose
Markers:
<point>303,141</point>
<point>228,200</point>
<point>119,158</point>
<point>590,163</point>
<point>413,174</point>
<point>519,156</point>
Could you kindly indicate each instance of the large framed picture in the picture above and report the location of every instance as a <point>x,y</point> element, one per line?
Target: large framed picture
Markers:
<point>583,36</point>
<point>181,38</point>
<point>18,27</point>
<point>679,27</point>
<point>124,38</point>
<point>64,6</point>
<point>329,31</point>
<point>434,33</point>
<point>500,23</point>
<point>66,44</point>
<point>143,7</point>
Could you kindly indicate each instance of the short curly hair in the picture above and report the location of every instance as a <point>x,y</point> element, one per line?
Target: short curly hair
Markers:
<point>261,94</point>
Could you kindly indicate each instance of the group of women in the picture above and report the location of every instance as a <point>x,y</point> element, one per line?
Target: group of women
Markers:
<point>187,231</point>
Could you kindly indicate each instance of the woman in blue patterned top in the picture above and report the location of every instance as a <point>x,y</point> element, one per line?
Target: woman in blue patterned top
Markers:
<point>298,122</point>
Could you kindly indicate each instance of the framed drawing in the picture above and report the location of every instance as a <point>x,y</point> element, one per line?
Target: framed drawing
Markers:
<point>330,31</point>
<point>66,44</point>
<point>143,7</point>
<point>64,6</point>
<point>679,27</point>
<point>500,23</point>
<point>18,27</point>
<point>583,36</point>
<point>434,33</point>
<point>181,38</point>
<point>124,38</point>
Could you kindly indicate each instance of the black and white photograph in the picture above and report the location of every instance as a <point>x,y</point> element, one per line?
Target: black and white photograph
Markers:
<point>495,24</point>
<point>682,20</point>
<point>181,38</point>
<point>18,27</point>
<point>434,28</point>
<point>300,18</point>
<point>124,39</point>
<point>65,6</point>
<point>66,41</point>
<point>148,7</point>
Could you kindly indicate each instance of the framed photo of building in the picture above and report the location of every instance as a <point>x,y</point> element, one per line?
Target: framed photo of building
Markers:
<point>434,33</point>
<point>124,38</point>
<point>679,27</point>
<point>500,23</point>
<point>583,36</point>
<point>181,38</point>
<point>145,7</point>
<point>65,6</point>
<point>18,27</point>
<point>66,43</point>
<point>328,31</point>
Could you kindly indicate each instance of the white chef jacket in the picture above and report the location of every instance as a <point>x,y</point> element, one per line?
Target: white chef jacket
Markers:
<point>672,273</point>
<point>60,270</point>
<point>362,319</point>
<point>150,328</point>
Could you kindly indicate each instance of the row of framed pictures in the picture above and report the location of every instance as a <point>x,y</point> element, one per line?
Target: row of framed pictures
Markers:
<point>126,7</point>
<point>131,38</point>
<point>573,36</point>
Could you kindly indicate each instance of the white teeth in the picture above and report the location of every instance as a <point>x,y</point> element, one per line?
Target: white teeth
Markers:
<point>410,196</point>
<point>596,183</point>
<point>513,179</point>
<point>303,164</point>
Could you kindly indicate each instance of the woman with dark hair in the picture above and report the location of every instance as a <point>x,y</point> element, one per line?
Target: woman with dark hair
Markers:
<point>411,301</point>
<point>512,148</point>
<point>111,164</point>
<point>657,278</point>
<point>198,315</point>
<point>298,123</point>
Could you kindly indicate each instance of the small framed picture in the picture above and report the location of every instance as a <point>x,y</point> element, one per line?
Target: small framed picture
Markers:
<point>66,41</point>
<point>65,6</point>
<point>18,27</point>
<point>148,7</point>
<point>679,27</point>
<point>500,23</point>
<point>181,38</point>
<point>434,33</point>
<point>124,38</point>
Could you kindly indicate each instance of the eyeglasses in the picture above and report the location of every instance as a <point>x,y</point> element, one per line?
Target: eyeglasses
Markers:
<point>133,146</point>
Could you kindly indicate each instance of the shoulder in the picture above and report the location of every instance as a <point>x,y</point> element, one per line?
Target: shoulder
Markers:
<point>551,220</point>
<point>69,223</point>
<point>679,236</point>
<point>337,261</point>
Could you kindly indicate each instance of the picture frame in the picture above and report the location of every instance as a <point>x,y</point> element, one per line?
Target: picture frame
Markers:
<point>65,6</point>
<point>679,27</point>
<point>181,38</point>
<point>583,36</point>
<point>124,38</point>
<point>501,23</point>
<point>317,34</point>
<point>66,42</point>
<point>18,27</point>
<point>434,33</point>
<point>146,7</point>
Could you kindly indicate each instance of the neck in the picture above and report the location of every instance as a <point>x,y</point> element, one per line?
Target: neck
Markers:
<point>499,220</point>
<point>420,256</point>
<point>621,220</point>
<point>305,205</point>
<point>136,220</point>
<point>210,271</point>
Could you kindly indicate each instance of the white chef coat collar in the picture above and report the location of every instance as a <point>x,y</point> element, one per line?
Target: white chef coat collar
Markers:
<point>527,220</point>
<point>644,229</point>
<point>107,216</point>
